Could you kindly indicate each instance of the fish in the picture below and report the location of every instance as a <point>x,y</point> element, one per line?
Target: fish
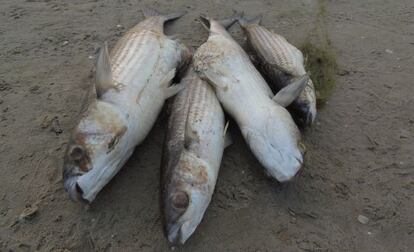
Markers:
<point>281,63</point>
<point>132,83</point>
<point>265,124</point>
<point>192,155</point>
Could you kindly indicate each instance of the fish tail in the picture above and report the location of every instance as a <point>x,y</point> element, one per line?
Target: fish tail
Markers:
<point>226,23</point>
<point>244,22</point>
<point>150,12</point>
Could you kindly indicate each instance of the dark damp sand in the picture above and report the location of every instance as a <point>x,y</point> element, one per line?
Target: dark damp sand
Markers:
<point>359,159</point>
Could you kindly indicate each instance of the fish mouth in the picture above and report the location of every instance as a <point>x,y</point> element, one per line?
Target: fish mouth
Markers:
<point>75,191</point>
<point>286,175</point>
<point>178,233</point>
<point>303,114</point>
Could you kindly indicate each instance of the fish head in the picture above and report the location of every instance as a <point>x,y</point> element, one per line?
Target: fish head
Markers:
<point>93,153</point>
<point>303,112</point>
<point>278,148</point>
<point>186,198</point>
<point>303,108</point>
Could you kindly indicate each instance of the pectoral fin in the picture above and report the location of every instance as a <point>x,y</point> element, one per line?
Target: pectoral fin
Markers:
<point>228,140</point>
<point>172,90</point>
<point>289,93</point>
<point>104,79</point>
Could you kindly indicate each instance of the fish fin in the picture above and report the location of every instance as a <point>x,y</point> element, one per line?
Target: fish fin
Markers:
<point>228,140</point>
<point>172,90</point>
<point>205,22</point>
<point>289,93</point>
<point>226,127</point>
<point>244,22</point>
<point>226,23</point>
<point>150,12</point>
<point>165,82</point>
<point>104,79</point>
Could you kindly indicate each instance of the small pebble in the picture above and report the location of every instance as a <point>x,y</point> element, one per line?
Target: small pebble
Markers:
<point>65,43</point>
<point>389,51</point>
<point>363,219</point>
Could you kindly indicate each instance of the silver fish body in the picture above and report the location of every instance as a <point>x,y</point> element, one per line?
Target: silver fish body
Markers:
<point>266,126</point>
<point>281,62</point>
<point>191,159</point>
<point>132,86</point>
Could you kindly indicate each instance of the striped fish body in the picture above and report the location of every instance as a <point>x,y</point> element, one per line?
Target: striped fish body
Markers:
<point>130,97</point>
<point>281,62</point>
<point>191,158</point>
<point>267,127</point>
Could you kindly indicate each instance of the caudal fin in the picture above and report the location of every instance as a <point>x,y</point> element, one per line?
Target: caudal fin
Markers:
<point>150,12</point>
<point>226,23</point>
<point>244,22</point>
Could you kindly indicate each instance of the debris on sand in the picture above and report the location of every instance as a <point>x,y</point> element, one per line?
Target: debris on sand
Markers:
<point>363,219</point>
<point>52,122</point>
<point>55,126</point>
<point>29,212</point>
<point>321,63</point>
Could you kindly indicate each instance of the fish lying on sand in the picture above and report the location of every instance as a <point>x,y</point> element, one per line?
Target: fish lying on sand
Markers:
<point>132,84</point>
<point>191,159</point>
<point>282,63</point>
<point>266,125</point>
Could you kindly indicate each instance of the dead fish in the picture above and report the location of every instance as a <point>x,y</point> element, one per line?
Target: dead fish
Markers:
<point>132,84</point>
<point>265,124</point>
<point>191,157</point>
<point>282,63</point>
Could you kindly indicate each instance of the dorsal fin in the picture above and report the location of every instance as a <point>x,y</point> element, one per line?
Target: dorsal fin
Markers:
<point>104,79</point>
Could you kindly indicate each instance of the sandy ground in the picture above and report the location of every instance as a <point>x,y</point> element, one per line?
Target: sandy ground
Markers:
<point>360,151</point>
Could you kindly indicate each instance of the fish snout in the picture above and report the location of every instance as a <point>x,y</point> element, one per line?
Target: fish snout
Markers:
<point>178,233</point>
<point>72,187</point>
<point>178,204</point>
<point>174,233</point>
<point>303,113</point>
<point>291,168</point>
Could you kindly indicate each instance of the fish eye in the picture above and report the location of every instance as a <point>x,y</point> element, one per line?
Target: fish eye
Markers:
<point>180,200</point>
<point>76,152</point>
